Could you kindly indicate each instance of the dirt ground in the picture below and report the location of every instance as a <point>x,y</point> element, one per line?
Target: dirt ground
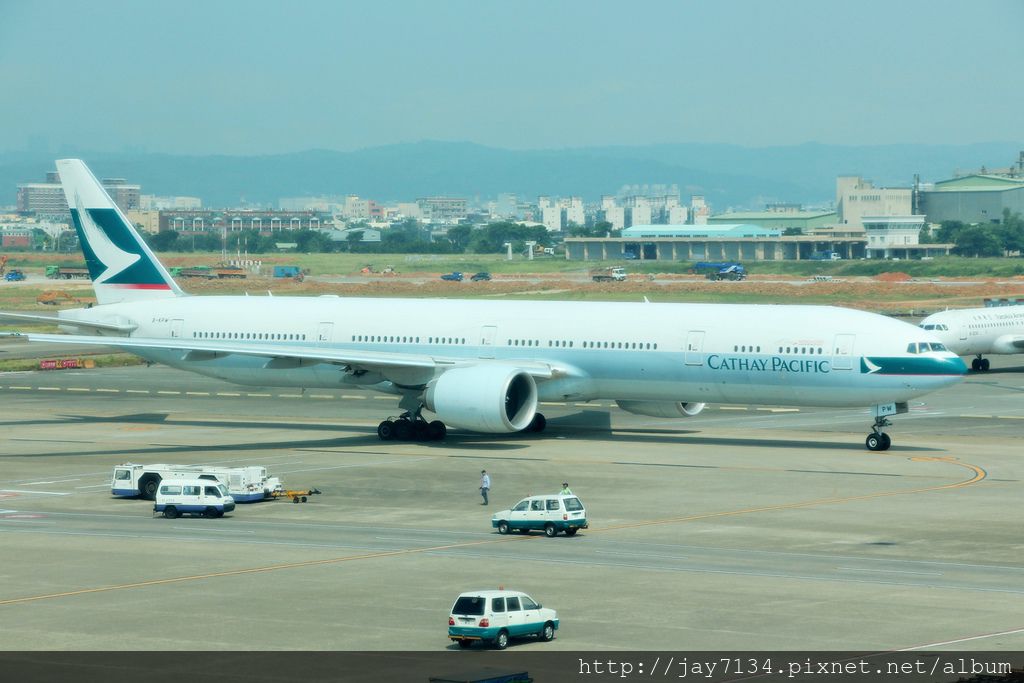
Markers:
<point>888,294</point>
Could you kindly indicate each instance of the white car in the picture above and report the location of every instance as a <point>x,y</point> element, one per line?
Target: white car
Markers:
<point>495,616</point>
<point>550,513</point>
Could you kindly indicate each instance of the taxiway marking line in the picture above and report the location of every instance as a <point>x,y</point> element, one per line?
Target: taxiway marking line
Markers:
<point>962,640</point>
<point>259,570</point>
<point>979,474</point>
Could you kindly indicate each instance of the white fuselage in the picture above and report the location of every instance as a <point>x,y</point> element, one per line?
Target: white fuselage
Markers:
<point>971,331</point>
<point>757,354</point>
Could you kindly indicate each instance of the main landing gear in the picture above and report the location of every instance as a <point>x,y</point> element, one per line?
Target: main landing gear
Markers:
<point>980,364</point>
<point>411,427</point>
<point>878,440</point>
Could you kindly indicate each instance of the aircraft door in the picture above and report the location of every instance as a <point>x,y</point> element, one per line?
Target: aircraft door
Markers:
<point>325,332</point>
<point>176,326</point>
<point>842,352</point>
<point>487,334</point>
<point>695,347</point>
<point>963,331</point>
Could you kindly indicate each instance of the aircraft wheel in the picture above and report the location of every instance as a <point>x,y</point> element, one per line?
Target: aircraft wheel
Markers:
<point>436,430</point>
<point>976,364</point>
<point>874,441</point>
<point>386,430</point>
<point>985,365</point>
<point>886,442</point>
<point>538,423</point>
<point>420,431</point>
<point>403,430</point>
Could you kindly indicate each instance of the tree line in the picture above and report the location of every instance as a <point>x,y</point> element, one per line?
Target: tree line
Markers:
<point>1005,238</point>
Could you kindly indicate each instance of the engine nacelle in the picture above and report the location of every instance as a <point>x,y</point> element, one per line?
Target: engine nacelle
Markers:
<point>661,408</point>
<point>488,398</point>
<point>1005,344</point>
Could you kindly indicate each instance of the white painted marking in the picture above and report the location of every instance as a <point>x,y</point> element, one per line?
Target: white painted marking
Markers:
<point>212,531</point>
<point>359,398</point>
<point>19,387</point>
<point>227,393</point>
<point>320,396</point>
<point>41,493</point>
<point>259,395</point>
<point>94,486</point>
<point>964,640</point>
<point>78,389</point>
<point>886,571</point>
<point>110,391</point>
<point>49,388</point>
<point>731,408</point>
<point>137,391</point>
<point>173,393</point>
<point>287,395</point>
<point>38,483</point>
<point>197,393</point>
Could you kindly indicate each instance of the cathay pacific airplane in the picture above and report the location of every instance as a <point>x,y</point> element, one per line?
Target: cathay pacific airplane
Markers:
<point>979,331</point>
<point>484,366</point>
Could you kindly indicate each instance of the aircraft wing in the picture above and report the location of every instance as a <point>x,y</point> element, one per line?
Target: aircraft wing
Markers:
<point>120,328</point>
<point>368,360</point>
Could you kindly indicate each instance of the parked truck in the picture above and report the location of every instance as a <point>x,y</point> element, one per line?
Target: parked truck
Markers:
<point>615,274</point>
<point>64,273</point>
<point>287,271</point>
<point>208,272</point>
<point>245,484</point>
<point>720,270</point>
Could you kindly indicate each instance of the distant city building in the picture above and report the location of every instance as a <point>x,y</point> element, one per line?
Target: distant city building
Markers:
<point>442,210</point>
<point>856,198</point>
<point>15,237</point>
<point>322,204</point>
<point>149,202</point>
<point>612,213</point>
<point>147,221</point>
<point>47,199</point>
<point>973,198</point>
<point>699,210</point>
<point>265,221</point>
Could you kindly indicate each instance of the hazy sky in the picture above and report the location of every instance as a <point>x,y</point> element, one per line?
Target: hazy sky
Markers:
<point>242,77</point>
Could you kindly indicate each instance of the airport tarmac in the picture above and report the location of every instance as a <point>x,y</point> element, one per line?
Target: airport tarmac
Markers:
<point>744,528</point>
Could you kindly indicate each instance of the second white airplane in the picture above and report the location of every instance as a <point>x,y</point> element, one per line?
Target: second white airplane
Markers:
<point>979,332</point>
<point>484,366</point>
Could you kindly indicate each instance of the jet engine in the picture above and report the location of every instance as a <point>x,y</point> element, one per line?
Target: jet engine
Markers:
<point>661,408</point>
<point>488,398</point>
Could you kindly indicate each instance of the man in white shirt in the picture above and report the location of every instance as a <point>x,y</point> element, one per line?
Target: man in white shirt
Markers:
<point>485,485</point>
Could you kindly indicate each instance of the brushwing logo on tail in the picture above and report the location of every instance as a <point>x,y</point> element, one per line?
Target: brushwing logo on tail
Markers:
<point>114,259</point>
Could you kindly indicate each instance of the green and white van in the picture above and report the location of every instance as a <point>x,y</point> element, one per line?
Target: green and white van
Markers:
<point>550,514</point>
<point>495,616</point>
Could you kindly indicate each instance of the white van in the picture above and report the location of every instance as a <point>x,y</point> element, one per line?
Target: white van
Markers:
<point>550,514</point>
<point>193,496</point>
<point>495,616</point>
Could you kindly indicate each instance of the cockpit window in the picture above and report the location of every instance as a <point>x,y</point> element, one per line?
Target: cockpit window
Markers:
<point>938,327</point>
<point>924,347</point>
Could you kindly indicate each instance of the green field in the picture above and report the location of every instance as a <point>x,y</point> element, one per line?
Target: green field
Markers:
<point>343,264</point>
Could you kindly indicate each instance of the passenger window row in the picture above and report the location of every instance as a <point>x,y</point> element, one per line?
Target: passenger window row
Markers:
<point>803,350</point>
<point>262,336</point>
<point>618,345</point>
<point>747,349</point>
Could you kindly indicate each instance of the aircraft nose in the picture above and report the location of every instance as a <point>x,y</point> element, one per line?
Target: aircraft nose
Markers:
<point>955,367</point>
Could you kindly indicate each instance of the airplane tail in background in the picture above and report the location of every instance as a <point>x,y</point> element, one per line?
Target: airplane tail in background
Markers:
<point>120,263</point>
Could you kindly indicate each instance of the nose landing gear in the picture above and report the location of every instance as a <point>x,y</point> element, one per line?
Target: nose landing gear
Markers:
<point>980,364</point>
